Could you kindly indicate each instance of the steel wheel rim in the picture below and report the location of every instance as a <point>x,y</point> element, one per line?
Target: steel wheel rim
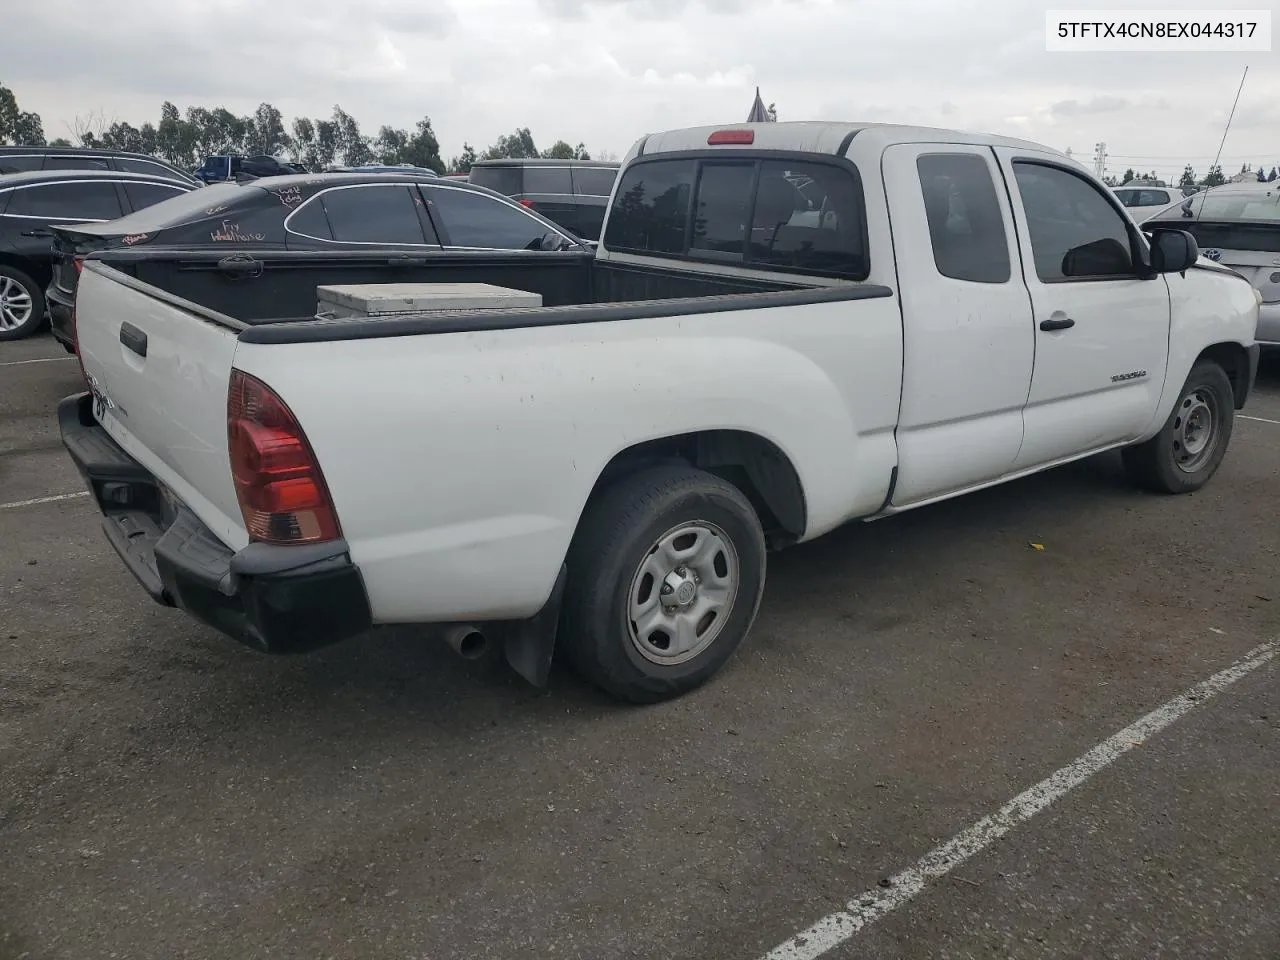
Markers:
<point>682,593</point>
<point>1195,430</point>
<point>15,304</point>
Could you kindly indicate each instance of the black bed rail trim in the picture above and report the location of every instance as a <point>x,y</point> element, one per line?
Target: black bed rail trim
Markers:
<point>470,321</point>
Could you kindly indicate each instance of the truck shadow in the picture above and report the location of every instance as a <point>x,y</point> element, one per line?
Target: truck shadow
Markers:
<point>402,677</point>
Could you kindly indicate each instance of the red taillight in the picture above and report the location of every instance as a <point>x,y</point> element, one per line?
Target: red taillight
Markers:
<point>526,203</point>
<point>739,137</point>
<point>282,494</point>
<point>79,264</point>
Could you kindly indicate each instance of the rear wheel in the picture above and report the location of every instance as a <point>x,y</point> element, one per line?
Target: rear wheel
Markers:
<point>1188,449</point>
<point>665,578</point>
<point>21,304</point>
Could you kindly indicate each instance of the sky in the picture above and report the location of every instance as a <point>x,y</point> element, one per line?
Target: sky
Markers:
<point>605,72</point>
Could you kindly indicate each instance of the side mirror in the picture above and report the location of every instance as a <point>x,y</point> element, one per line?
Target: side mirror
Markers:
<point>1173,251</point>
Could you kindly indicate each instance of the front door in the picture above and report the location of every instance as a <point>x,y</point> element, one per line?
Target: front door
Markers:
<point>968,345</point>
<point>1101,333</point>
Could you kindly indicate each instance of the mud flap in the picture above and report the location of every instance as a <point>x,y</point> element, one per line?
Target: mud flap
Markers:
<point>530,644</point>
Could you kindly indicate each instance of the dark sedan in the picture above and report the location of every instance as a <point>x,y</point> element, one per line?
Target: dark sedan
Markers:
<point>33,204</point>
<point>354,211</point>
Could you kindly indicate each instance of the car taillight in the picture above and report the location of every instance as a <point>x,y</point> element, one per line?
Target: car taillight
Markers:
<point>281,491</point>
<point>526,203</point>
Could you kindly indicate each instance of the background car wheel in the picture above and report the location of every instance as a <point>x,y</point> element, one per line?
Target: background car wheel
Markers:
<point>666,572</point>
<point>21,304</point>
<point>1188,449</point>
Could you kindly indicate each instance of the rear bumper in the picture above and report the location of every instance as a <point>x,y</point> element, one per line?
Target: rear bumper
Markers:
<point>277,599</point>
<point>60,316</point>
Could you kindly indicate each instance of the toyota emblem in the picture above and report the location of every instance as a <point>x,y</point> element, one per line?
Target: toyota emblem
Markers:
<point>1214,255</point>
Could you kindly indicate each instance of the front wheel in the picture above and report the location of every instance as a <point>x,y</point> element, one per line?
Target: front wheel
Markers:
<point>1188,449</point>
<point>666,572</point>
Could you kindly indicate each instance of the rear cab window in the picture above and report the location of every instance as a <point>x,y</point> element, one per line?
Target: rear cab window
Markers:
<point>966,224</point>
<point>798,216</point>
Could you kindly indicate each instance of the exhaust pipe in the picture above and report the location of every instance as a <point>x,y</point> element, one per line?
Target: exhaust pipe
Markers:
<point>467,641</point>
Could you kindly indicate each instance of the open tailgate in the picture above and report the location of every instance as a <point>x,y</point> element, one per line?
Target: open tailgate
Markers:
<point>159,373</point>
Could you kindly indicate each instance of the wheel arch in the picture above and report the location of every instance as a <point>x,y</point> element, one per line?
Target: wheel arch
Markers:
<point>41,273</point>
<point>1234,360</point>
<point>756,466</point>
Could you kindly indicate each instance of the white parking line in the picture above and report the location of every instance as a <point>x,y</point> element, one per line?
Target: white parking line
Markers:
<point>38,500</point>
<point>1241,416</point>
<point>18,363</point>
<point>833,930</point>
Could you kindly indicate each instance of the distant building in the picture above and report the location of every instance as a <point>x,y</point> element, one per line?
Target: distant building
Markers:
<point>1244,176</point>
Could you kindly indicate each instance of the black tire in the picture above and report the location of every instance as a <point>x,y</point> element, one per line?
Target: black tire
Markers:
<point>1164,463</point>
<point>618,531</point>
<point>32,289</point>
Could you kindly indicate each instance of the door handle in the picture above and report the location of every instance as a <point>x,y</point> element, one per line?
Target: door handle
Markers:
<point>36,233</point>
<point>1063,323</point>
<point>133,338</point>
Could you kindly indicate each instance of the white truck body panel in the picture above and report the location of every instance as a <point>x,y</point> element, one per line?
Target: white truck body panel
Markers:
<point>168,410</point>
<point>446,539</point>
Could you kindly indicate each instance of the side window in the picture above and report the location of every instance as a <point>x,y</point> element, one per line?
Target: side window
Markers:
<point>808,218</point>
<point>508,179</point>
<point>74,201</point>
<point>594,181</point>
<point>20,164</point>
<point>548,180</point>
<point>134,165</point>
<point>309,220</point>
<point>145,194</point>
<point>651,208</point>
<point>373,214</point>
<point>966,226</point>
<point>76,163</point>
<point>1153,198</point>
<point>474,220</point>
<point>1074,231</point>
<point>721,211</point>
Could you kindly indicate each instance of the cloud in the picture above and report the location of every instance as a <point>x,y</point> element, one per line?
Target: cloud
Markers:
<point>1103,104</point>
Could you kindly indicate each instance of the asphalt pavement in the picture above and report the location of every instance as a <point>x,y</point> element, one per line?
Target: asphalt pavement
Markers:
<point>165,793</point>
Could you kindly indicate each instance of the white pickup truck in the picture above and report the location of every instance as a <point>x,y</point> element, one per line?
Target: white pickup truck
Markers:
<point>785,327</point>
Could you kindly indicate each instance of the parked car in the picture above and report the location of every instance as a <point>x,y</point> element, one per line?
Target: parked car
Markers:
<point>573,193</point>
<point>1238,226</point>
<point>34,159</point>
<point>753,357</point>
<point>331,211</point>
<point>31,204</point>
<point>1143,199</point>
<point>223,168</point>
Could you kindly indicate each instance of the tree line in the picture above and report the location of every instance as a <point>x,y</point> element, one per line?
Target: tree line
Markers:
<point>185,138</point>
<point>1214,178</point>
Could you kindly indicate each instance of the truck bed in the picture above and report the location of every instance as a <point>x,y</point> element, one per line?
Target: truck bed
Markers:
<point>258,288</point>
